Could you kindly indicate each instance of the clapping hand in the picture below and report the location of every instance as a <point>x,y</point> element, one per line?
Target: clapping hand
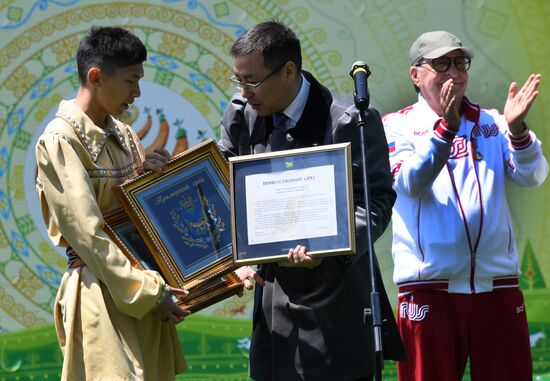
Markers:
<point>519,102</point>
<point>447,101</point>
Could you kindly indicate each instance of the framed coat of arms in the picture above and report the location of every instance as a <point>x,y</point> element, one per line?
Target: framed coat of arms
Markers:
<point>183,216</point>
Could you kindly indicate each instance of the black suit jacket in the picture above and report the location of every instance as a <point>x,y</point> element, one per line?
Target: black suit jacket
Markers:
<point>308,323</point>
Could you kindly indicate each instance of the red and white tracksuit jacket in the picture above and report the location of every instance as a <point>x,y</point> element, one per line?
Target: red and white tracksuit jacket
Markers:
<point>452,228</point>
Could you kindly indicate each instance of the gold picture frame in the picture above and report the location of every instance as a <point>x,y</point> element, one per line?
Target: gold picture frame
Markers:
<point>182,214</point>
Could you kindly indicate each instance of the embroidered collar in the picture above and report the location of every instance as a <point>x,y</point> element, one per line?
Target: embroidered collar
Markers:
<point>92,137</point>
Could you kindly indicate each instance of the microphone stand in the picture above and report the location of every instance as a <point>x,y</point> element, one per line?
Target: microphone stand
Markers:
<point>375,310</point>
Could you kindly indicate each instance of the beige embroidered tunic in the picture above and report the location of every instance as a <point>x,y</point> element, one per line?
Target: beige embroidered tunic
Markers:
<point>102,309</point>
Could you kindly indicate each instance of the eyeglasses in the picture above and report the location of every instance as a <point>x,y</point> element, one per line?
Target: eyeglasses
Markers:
<point>252,86</point>
<point>442,64</point>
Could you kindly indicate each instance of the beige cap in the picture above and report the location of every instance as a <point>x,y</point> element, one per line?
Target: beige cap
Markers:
<point>436,44</point>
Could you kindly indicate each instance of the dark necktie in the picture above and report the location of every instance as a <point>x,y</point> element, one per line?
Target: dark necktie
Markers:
<point>279,121</point>
<point>278,135</point>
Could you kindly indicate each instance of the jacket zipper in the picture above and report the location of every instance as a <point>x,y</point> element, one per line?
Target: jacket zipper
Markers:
<point>473,248</point>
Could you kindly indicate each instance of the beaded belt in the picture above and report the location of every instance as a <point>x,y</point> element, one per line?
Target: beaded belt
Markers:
<point>73,260</point>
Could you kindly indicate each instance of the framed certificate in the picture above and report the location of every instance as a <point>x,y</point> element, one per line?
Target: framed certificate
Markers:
<point>183,216</point>
<point>288,198</point>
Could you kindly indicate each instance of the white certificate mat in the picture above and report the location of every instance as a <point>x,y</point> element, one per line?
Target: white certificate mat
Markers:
<point>292,204</point>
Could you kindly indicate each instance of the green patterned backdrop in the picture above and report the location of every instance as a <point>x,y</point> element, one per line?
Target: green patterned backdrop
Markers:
<point>186,87</point>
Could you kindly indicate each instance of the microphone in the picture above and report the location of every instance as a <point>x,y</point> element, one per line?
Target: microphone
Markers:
<point>360,72</point>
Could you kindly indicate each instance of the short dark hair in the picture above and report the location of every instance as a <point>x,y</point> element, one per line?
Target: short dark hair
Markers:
<point>108,48</point>
<point>275,41</point>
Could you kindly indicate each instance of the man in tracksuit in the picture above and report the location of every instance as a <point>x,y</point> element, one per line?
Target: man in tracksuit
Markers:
<point>456,260</point>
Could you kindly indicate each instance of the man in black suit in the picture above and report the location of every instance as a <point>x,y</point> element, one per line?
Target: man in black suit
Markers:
<point>308,313</point>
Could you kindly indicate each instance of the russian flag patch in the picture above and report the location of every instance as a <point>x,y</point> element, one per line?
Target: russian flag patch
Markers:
<point>391,147</point>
